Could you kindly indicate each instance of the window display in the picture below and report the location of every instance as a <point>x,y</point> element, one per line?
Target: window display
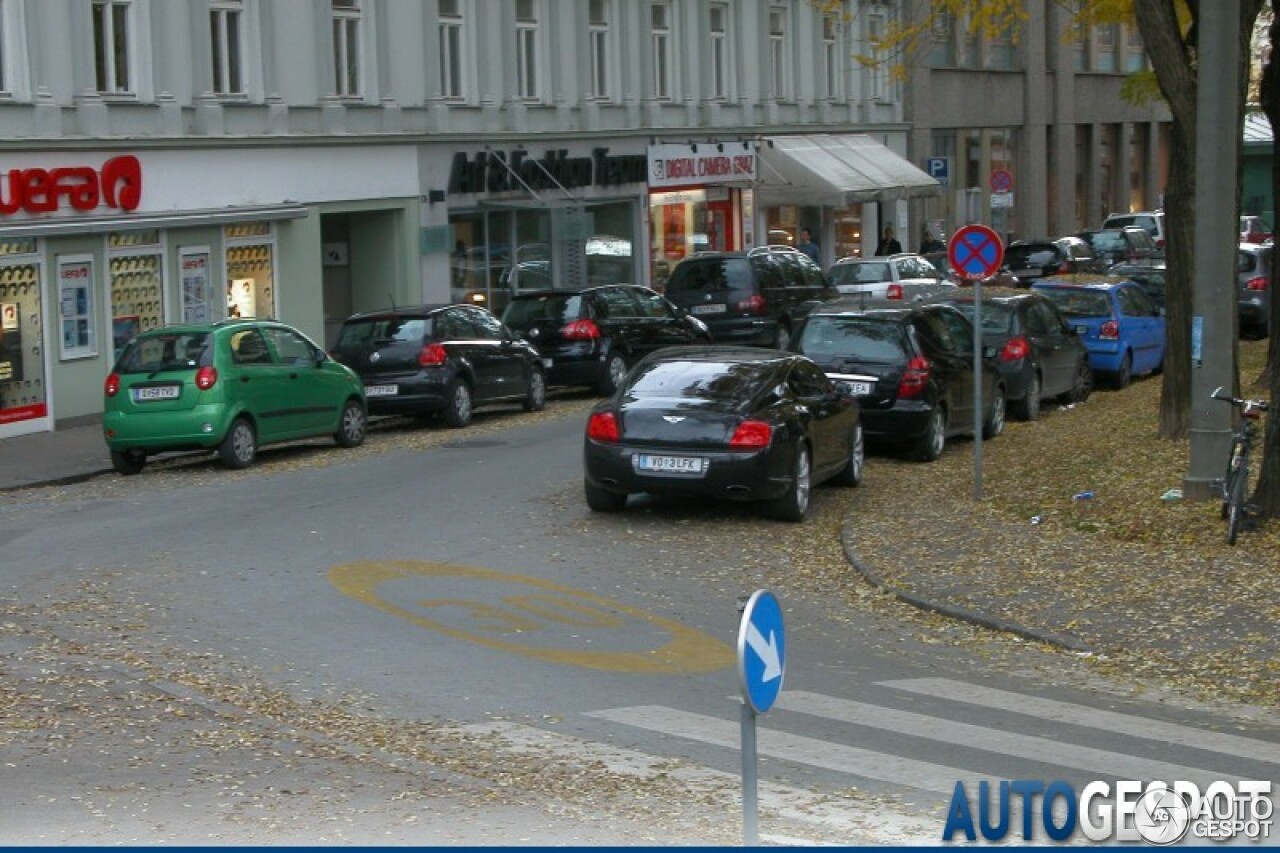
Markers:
<point>136,284</point>
<point>250,270</point>
<point>75,306</point>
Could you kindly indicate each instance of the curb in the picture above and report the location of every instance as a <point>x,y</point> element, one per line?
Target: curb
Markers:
<point>962,614</point>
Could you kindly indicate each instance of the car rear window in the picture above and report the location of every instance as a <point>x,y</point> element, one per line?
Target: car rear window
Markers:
<point>164,351</point>
<point>550,307</point>
<point>713,380</point>
<point>382,330</point>
<point>710,275</point>
<point>996,318</point>
<point>862,338</point>
<point>871,272</point>
<point>1017,257</point>
<point>1079,303</point>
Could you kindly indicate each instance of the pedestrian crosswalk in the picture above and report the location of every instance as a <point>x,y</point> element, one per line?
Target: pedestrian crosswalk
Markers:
<point>960,732</point>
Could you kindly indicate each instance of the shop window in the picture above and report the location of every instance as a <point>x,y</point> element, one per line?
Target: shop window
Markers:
<point>112,45</point>
<point>250,270</point>
<point>248,229</point>
<point>76,307</point>
<point>196,284</point>
<point>22,387</point>
<point>135,284</point>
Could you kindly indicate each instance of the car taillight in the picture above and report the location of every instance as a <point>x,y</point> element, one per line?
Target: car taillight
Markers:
<point>1256,283</point>
<point>753,304</point>
<point>893,291</point>
<point>1110,331</point>
<point>1064,267</point>
<point>112,386</point>
<point>751,435</point>
<point>432,355</point>
<point>206,377</point>
<point>1017,348</point>
<point>914,378</point>
<point>581,330</point>
<point>603,426</point>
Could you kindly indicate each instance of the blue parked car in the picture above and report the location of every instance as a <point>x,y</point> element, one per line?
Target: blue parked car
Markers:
<point>1120,325</point>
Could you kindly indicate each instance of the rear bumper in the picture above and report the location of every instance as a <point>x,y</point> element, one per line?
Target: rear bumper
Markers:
<point>746,476</point>
<point>201,427</point>
<point>751,331</point>
<point>905,421</point>
<point>425,392</point>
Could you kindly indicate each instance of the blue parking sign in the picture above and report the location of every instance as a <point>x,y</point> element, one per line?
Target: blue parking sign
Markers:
<point>939,168</point>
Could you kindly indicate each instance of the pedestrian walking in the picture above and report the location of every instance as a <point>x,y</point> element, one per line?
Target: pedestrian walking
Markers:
<point>889,244</point>
<point>929,243</point>
<point>807,245</point>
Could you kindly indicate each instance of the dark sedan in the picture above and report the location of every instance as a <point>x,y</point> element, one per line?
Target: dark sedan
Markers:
<point>724,422</point>
<point>441,360</point>
<point>591,336</point>
<point>911,367</point>
<point>1039,354</point>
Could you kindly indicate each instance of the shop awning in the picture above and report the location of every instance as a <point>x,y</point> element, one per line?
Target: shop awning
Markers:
<point>837,170</point>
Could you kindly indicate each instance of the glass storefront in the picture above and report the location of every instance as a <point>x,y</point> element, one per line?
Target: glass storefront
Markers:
<point>135,284</point>
<point>250,255</point>
<point>699,219</point>
<point>23,392</point>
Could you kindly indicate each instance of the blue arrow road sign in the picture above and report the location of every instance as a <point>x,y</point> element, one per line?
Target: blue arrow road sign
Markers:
<point>762,651</point>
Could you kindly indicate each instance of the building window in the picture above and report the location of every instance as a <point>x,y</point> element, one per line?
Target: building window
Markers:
<point>451,49</point>
<point>942,40</point>
<point>1000,51</point>
<point>1135,54</point>
<point>225,17</point>
<point>526,49</point>
<point>719,50</point>
<point>878,72</point>
<point>832,61</point>
<point>660,33</point>
<point>4,52</point>
<point>346,47</point>
<point>1105,42</point>
<point>598,35</point>
<point>111,45</point>
<point>780,78</point>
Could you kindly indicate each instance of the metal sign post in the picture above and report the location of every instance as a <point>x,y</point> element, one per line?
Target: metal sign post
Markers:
<point>975,252</point>
<point>762,657</point>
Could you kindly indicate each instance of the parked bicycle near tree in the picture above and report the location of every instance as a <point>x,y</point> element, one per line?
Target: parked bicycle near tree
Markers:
<point>1235,486</point>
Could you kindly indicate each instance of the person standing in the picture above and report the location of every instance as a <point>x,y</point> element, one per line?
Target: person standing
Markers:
<point>929,243</point>
<point>889,244</point>
<point>807,245</point>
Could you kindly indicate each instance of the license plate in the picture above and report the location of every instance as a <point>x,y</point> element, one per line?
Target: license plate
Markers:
<point>858,389</point>
<point>157,392</point>
<point>1026,273</point>
<point>709,309</point>
<point>647,463</point>
<point>547,362</point>
<point>381,390</point>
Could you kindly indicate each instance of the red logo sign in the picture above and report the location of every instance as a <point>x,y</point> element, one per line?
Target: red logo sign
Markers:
<point>118,184</point>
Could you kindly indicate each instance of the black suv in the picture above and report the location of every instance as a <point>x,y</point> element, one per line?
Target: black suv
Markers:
<point>439,360</point>
<point>1032,260</point>
<point>591,336</point>
<point>756,297</point>
<point>910,366</point>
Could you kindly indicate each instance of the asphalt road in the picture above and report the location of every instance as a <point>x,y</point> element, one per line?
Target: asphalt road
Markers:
<point>444,598</point>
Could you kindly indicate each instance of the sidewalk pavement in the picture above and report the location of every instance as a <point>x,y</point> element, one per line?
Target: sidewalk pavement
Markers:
<point>67,455</point>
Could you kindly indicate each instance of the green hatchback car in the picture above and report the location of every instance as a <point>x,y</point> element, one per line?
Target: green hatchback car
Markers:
<point>232,387</point>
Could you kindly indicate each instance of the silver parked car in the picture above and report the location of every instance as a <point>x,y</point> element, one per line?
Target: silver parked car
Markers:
<point>905,276</point>
<point>1253,288</point>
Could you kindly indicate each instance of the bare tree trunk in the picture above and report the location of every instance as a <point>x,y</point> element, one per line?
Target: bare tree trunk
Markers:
<point>1180,195</point>
<point>1267,493</point>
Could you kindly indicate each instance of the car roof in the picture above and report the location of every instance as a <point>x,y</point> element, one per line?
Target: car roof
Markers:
<point>855,304</point>
<point>1084,280</point>
<point>190,328</point>
<point>722,352</point>
<point>406,311</point>
<point>572,291</point>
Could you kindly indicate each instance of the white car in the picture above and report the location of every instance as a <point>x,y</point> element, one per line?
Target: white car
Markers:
<point>905,277</point>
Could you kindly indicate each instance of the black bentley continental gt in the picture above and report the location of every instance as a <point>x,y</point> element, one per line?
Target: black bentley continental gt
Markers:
<point>726,422</point>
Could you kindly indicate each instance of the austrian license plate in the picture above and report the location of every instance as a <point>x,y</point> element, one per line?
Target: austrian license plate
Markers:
<point>647,463</point>
<point>156,392</point>
<point>1026,273</point>
<point>709,309</point>
<point>858,389</point>
<point>381,390</point>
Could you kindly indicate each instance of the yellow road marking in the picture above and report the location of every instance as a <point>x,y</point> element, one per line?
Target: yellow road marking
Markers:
<point>687,650</point>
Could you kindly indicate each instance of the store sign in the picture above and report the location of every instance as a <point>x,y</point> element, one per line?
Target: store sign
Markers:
<point>118,184</point>
<point>507,171</point>
<point>682,166</point>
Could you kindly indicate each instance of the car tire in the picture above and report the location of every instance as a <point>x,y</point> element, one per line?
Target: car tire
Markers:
<point>535,400</point>
<point>615,370</point>
<point>1124,375</point>
<point>603,500</point>
<point>128,462</point>
<point>929,446</point>
<point>794,505</point>
<point>457,413</point>
<point>1028,408</point>
<point>782,337</point>
<point>1082,387</point>
<point>851,473</point>
<point>353,425</point>
<point>239,447</point>
<point>994,424</point>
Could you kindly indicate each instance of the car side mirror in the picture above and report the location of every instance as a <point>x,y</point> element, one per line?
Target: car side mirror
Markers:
<point>319,357</point>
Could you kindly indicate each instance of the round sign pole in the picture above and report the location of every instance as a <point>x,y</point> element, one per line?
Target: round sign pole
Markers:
<point>975,252</point>
<point>762,662</point>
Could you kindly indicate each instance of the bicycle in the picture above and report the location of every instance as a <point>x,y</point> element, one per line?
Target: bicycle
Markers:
<point>1236,482</point>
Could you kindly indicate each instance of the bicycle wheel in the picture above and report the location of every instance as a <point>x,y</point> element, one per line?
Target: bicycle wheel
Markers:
<point>1236,487</point>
